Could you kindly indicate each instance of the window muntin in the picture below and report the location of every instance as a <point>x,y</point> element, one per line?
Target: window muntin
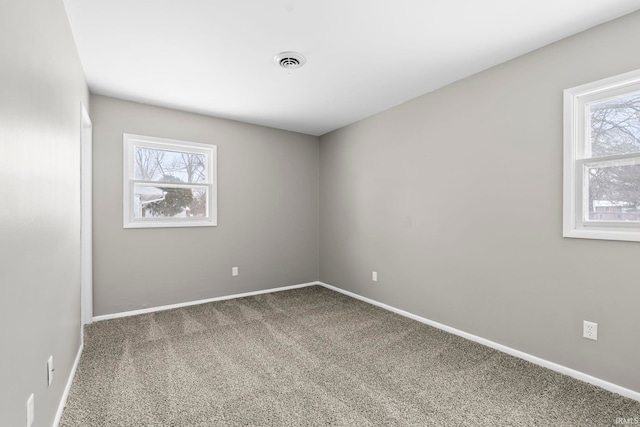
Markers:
<point>168,183</point>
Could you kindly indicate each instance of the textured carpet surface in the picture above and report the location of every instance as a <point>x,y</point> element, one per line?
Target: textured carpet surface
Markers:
<point>312,356</point>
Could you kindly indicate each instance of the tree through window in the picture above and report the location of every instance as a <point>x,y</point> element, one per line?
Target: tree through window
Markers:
<point>614,188</point>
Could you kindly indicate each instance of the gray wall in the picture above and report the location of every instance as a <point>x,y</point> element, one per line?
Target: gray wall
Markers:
<point>267,213</point>
<point>455,199</point>
<point>41,88</point>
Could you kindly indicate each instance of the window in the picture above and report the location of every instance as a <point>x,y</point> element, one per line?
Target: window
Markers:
<point>602,159</point>
<point>168,183</point>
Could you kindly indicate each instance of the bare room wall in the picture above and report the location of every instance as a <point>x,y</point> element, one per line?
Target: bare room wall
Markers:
<point>42,86</point>
<point>267,213</point>
<point>455,199</point>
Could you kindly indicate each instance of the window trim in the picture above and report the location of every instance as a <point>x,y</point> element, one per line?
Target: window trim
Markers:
<point>576,124</point>
<point>129,142</point>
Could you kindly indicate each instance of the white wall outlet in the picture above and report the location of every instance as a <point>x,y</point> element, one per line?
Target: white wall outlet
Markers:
<point>234,271</point>
<point>30,410</point>
<point>50,370</point>
<point>590,330</point>
<point>374,276</point>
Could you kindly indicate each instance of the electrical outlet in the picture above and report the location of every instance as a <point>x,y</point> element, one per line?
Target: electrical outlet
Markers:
<point>50,370</point>
<point>234,271</point>
<point>590,330</point>
<point>374,276</point>
<point>30,410</point>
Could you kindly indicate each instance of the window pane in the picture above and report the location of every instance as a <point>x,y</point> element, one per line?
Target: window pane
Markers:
<point>169,202</point>
<point>614,193</point>
<point>615,126</point>
<point>169,166</point>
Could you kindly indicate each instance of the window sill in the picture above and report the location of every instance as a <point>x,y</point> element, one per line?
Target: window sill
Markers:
<point>603,234</point>
<point>172,224</point>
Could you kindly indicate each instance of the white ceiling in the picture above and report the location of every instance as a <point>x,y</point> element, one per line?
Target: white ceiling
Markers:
<point>363,56</point>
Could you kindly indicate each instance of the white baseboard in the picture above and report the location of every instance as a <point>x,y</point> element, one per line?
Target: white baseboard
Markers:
<point>67,388</point>
<point>513,352</point>
<point>202,301</point>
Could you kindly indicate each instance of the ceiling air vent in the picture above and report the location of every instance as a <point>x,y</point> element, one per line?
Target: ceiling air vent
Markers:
<point>290,60</point>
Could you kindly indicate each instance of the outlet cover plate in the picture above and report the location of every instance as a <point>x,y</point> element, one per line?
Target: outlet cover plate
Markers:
<point>590,330</point>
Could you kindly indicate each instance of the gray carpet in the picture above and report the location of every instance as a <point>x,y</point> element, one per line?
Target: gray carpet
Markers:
<point>312,356</point>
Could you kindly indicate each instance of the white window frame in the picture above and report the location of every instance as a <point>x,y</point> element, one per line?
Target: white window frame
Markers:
<point>130,142</point>
<point>577,157</point>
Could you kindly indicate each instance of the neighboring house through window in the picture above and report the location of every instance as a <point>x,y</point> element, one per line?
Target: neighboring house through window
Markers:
<point>602,159</point>
<point>168,183</point>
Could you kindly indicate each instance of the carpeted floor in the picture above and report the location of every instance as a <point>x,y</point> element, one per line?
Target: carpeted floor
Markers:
<point>309,357</point>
